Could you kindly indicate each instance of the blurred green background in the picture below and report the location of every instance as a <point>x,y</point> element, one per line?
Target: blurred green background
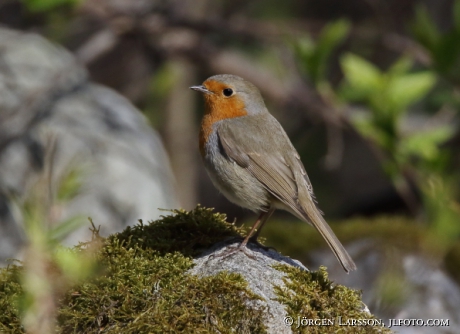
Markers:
<point>368,91</point>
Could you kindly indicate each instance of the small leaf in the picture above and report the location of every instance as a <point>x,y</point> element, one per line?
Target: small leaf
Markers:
<point>305,48</point>
<point>407,89</point>
<point>315,55</point>
<point>361,74</point>
<point>425,144</point>
<point>331,36</point>
<point>70,184</point>
<point>368,129</point>
<point>401,66</point>
<point>335,32</point>
<point>425,29</point>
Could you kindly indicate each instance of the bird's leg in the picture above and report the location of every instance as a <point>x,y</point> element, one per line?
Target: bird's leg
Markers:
<point>253,234</point>
<point>264,216</point>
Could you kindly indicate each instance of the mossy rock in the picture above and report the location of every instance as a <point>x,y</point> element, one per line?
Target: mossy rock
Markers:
<point>146,286</point>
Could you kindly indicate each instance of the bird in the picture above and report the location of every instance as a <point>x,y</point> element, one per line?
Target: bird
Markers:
<point>251,160</point>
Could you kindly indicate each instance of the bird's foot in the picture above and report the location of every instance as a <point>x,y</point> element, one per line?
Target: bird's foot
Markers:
<point>233,250</point>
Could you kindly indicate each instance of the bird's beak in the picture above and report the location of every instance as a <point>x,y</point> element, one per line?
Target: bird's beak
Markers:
<point>201,89</point>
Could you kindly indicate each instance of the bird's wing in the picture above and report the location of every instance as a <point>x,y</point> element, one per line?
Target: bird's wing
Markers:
<point>265,160</point>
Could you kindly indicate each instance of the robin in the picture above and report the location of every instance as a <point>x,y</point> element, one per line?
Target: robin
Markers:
<point>251,160</point>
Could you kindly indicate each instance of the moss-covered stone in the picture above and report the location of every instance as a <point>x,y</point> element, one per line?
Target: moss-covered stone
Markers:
<point>187,232</point>
<point>144,285</point>
<point>10,290</point>
<point>312,296</point>
<point>143,292</point>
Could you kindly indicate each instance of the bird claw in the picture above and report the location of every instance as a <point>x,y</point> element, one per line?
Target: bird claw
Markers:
<point>232,251</point>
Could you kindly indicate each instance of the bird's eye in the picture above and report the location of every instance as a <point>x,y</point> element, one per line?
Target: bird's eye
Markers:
<point>228,92</point>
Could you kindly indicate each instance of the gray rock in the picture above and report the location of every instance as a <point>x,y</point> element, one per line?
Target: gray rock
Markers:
<point>257,271</point>
<point>53,119</point>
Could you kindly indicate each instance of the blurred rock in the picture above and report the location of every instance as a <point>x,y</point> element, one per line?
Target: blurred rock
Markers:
<point>52,120</point>
<point>423,290</point>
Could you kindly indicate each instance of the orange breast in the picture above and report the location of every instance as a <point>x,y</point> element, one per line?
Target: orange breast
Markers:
<point>217,108</point>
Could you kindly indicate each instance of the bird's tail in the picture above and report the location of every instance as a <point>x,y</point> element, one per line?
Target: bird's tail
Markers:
<point>314,217</point>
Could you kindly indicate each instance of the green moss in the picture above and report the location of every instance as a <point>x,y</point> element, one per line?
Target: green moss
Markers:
<point>311,295</point>
<point>188,232</point>
<point>10,290</point>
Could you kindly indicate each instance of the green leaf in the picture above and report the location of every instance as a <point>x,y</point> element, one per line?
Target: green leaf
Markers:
<point>70,184</point>
<point>425,144</point>
<point>331,36</point>
<point>362,76</point>
<point>305,49</point>
<point>425,29</point>
<point>407,89</point>
<point>305,46</point>
<point>366,127</point>
<point>401,66</point>
<point>314,56</point>
<point>444,47</point>
<point>334,33</point>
